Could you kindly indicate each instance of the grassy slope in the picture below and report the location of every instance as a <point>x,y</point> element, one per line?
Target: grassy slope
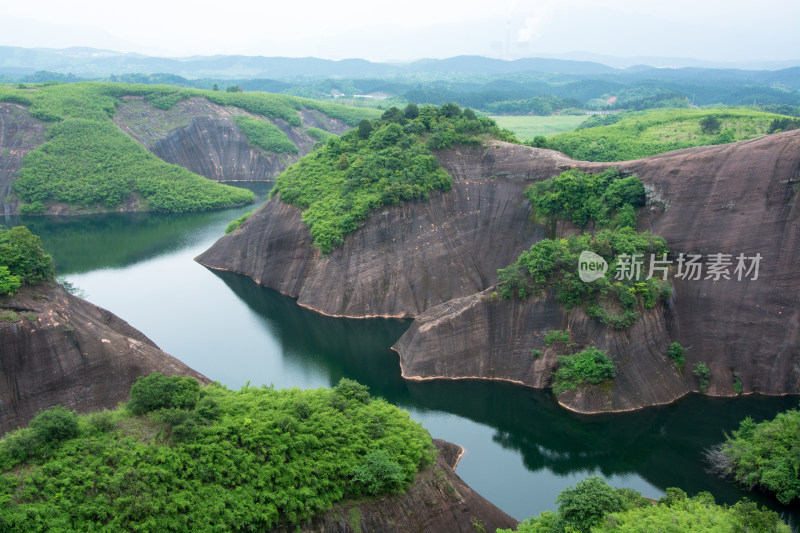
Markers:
<point>210,460</point>
<point>88,162</point>
<point>528,126</point>
<point>648,133</point>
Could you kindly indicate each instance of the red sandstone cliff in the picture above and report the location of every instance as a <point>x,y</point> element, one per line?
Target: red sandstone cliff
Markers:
<point>61,349</point>
<point>431,259</point>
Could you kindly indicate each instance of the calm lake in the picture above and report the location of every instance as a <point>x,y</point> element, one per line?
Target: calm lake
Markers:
<point>522,449</point>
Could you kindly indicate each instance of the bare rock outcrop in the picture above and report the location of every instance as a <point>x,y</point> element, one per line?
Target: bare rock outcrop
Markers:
<point>437,501</point>
<point>60,349</point>
<point>202,136</point>
<point>20,133</point>
<point>482,337</point>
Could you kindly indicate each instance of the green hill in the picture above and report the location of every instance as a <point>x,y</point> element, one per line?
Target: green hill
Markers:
<point>87,162</point>
<point>646,133</point>
<point>383,162</point>
<point>179,457</point>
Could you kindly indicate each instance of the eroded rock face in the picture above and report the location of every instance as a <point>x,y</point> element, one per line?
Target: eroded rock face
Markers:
<point>731,199</point>
<point>20,133</point>
<point>481,337</point>
<point>437,501</point>
<point>202,136</point>
<point>432,259</point>
<point>65,350</point>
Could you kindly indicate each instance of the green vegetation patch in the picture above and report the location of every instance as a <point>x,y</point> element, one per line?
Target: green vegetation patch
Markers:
<point>234,224</point>
<point>764,455</point>
<point>90,164</point>
<point>642,134</point>
<point>22,260</point>
<point>553,264</point>
<point>318,134</point>
<point>185,458</point>
<point>607,198</point>
<point>265,135</point>
<point>609,201</point>
<point>542,105</point>
<point>588,367</point>
<point>382,162</point>
<point>592,505</point>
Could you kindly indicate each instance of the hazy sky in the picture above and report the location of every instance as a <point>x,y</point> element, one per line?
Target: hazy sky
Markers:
<point>731,30</point>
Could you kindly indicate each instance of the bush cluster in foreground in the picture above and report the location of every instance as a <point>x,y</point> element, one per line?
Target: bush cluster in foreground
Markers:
<point>593,506</point>
<point>180,457</point>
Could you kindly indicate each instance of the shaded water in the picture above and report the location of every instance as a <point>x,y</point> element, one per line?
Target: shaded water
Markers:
<point>522,448</point>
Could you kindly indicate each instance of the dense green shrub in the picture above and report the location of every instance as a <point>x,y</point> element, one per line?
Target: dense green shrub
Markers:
<point>555,335</point>
<point>157,391</point>
<point>379,473</point>
<point>265,135</point>
<point>766,455</point>
<point>676,353</point>
<point>352,390</point>
<point>54,425</point>
<point>22,256</point>
<point>9,283</point>
<point>783,124</point>
<point>248,460</point>
<point>702,373</point>
<point>590,366</point>
<point>582,197</point>
<point>594,506</point>
<point>608,200</point>
<point>382,162</point>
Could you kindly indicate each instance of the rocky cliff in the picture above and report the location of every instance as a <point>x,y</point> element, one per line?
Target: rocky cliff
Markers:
<point>202,137</point>
<point>731,199</point>
<point>437,501</point>
<point>60,349</point>
<point>435,260</point>
<point>405,259</point>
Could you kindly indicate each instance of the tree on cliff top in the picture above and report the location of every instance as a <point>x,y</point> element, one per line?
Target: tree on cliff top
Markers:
<point>23,261</point>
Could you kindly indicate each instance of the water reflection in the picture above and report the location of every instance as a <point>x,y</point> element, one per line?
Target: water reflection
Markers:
<point>89,242</point>
<point>662,445</point>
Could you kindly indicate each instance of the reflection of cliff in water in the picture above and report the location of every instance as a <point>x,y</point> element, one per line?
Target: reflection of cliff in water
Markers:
<point>358,349</point>
<point>664,445</point>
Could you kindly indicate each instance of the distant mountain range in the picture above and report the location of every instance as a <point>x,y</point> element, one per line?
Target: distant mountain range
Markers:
<point>17,62</point>
<point>93,63</point>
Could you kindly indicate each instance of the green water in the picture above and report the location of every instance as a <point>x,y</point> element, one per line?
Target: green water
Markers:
<point>521,448</point>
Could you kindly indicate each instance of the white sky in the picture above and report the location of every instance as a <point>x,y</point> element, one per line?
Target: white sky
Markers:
<point>731,30</point>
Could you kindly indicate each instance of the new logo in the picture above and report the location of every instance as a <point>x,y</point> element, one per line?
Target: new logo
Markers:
<point>591,266</point>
